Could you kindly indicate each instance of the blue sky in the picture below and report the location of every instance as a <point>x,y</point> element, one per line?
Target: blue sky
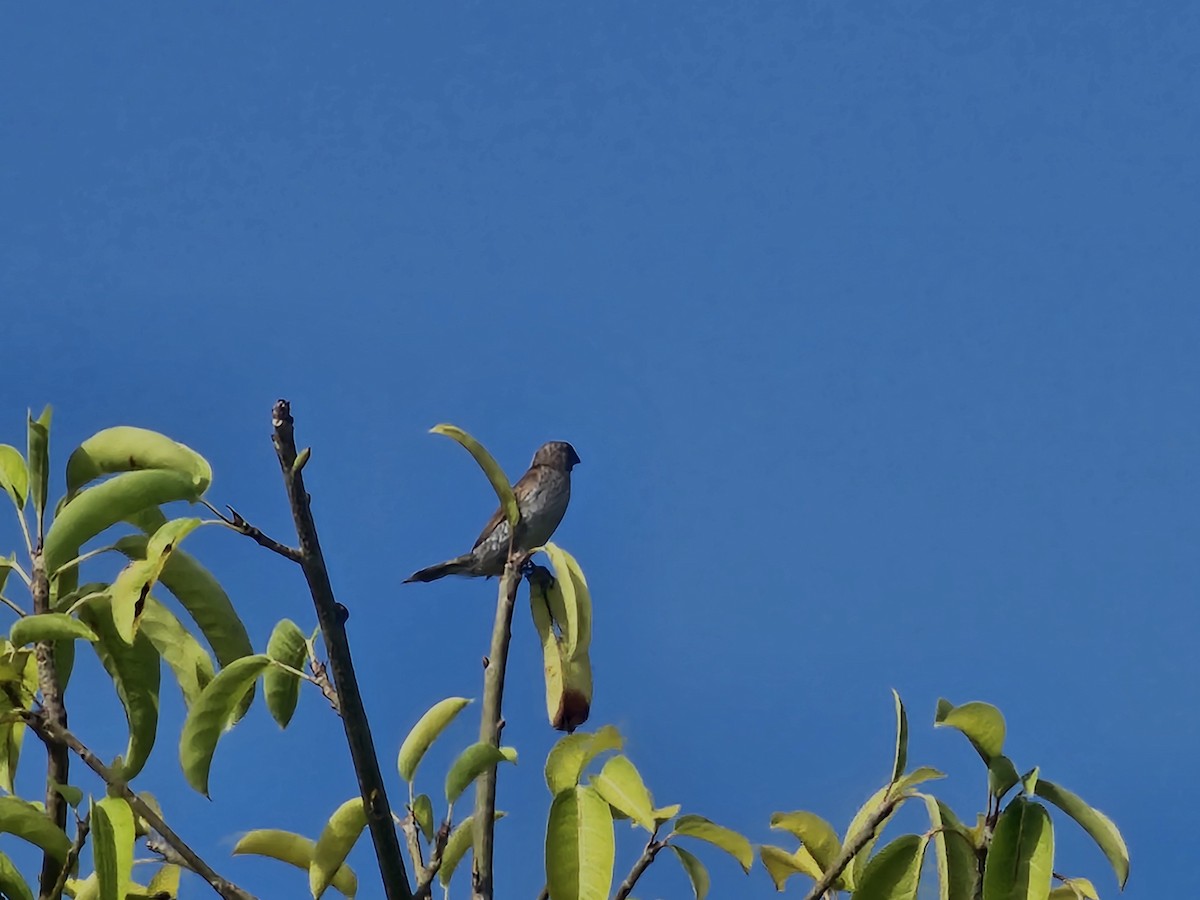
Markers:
<point>874,326</point>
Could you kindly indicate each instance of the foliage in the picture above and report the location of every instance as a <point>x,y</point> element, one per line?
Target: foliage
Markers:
<point>165,607</point>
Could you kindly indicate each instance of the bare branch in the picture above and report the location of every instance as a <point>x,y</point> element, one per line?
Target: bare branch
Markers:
<point>50,731</point>
<point>331,616</point>
<point>490,723</point>
<point>235,522</point>
<point>854,844</point>
<point>643,863</point>
<point>82,827</point>
<point>58,760</point>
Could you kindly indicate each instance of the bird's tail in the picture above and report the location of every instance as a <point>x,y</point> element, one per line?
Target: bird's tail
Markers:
<point>460,565</point>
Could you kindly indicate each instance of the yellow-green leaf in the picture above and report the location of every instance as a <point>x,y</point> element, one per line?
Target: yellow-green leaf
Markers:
<point>491,469</point>
<point>958,873</point>
<point>1021,855</point>
<point>571,755</point>
<point>112,846</point>
<point>696,872</point>
<point>281,689</point>
<point>435,720</point>
<point>472,763</point>
<point>900,758</point>
<point>814,832</point>
<point>187,660</point>
<point>14,476</point>
<point>422,811</point>
<point>620,784</point>
<point>39,463</point>
<point>29,822</point>
<point>128,449</point>
<point>895,871</point>
<point>333,846</point>
<point>293,849</point>
<point>781,865</point>
<point>1099,826</point>
<point>982,723</point>
<point>97,508</point>
<point>212,714</point>
<point>457,846</point>
<point>579,846</point>
<point>729,841</point>
<point>12,885</point>
<point>49,627</point>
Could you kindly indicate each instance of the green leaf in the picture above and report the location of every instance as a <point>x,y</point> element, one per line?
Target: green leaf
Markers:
<point>70,793</point>
<point>295,850</point>
<point>165,882</point>
<point>136,580</point>
<point>814,832</point>
<point>1029,781</point>
<point>436,719</point>
<point>472,763</point>
<point>112,846</point>
<point>29,823</point>
<point>622,788</point>
<point>281,688</point>
<point>39,464</point>
<point>491,469</point>
<point>917,776</point>
<point>188,661</point>
<point>97,508</point>
<point>212,714</point>
<point>136,674</point>
<point>570,601</point>
<point>1021,856</point>
<point>49,627</point>
<point>900,758</point>
<point>1099,826</point>
<point>1075,889</point>
<point>695,871</point>
<point>457,846</point>
<point>335,843</point>
<point>14,476</point>
<point>781,865</point>
<point>1002,775</point>
<point>729,841</point>
<point>666,813</point>
<point>12,885</point>
<point>854,871</point>
<point>422,810</point>
<point>958,874</point>
<point>982,724</point>
<point>571,755</point>
<point>895,871</point>
<point>201,595</point>
<point>128,449</point>
<point>580,848</point>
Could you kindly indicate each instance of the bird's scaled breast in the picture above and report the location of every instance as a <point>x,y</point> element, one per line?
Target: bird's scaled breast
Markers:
<point>544,509</point>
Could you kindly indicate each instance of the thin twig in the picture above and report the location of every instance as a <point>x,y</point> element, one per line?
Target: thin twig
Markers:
<point>13,606</point>
<point>860,839</point>
<point>50,731</point>
<point>490,723</point>
<point>429,873</point>
<point>80,559</point>
<point>82,827</point>
<point>58,760</point>
<point>409,826</point>
<point>321,677</point>
<point>235,522</point>
<point>24,576</point>
<point>331,616</point>
<point>643,863</point>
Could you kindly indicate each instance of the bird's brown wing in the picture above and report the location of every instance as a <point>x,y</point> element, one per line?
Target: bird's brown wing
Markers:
<point>523,486</point>
<point>495,520</point>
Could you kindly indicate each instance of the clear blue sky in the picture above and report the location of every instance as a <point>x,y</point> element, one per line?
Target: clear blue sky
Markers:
<point>874,325</point>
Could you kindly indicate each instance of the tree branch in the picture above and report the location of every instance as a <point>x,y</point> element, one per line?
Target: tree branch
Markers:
<point>82,827</point>
<point>235,522</point>
<point>51,731</point>
<point>58,760</point>
<point>857,841</point>
<point>429,872</point>
<point>490,724</point>
<point>331,616</point>
<point>643,863</point>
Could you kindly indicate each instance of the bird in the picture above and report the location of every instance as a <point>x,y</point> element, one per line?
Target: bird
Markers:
<point>542,493</point>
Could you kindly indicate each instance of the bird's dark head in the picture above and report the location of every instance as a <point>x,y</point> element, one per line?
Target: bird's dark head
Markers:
<point>556,455</point>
